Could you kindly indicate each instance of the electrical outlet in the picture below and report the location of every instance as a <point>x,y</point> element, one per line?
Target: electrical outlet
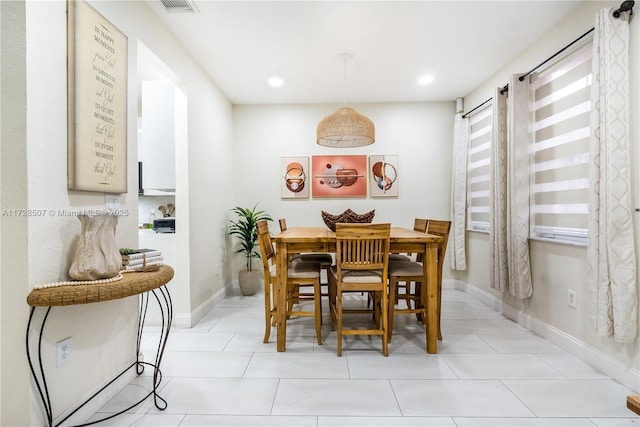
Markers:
<point>572,299</point>
<point>63,352</point>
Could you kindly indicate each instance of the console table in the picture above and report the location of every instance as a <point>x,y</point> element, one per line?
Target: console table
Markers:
<point>131,284</point>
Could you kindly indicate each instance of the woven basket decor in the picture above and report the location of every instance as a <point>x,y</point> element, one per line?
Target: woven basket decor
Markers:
<point>355,217</point>
<point>347,216</point>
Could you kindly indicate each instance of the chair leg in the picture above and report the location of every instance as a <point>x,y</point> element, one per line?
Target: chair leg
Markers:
<point>293,297</point>
<point>332,302</point>
<point>418,303</point>
<point>407,294</point>
<point>392,297</point>
<point>439,307</point>
<point>267,312</point>
<point>386,333</point>
<point>339,319</point>
<point>317,305</point>
<point>326,269</point>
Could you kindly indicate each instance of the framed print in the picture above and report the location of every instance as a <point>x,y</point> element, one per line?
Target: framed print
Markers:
<point>295,177</point>
<point>97,102</point>
<point>383,172</point>
<point>339,176</point>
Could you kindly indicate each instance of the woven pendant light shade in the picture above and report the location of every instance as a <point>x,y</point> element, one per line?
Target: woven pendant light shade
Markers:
<point>345,128</point>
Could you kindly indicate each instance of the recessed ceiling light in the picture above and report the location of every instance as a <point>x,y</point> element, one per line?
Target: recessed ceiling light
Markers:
<point>275,81</point>
<point>425,80</point>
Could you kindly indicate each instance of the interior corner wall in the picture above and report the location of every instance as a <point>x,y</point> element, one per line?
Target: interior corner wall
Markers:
<point>556,268</point>
<point>420,134</point>
<point>14,371</point>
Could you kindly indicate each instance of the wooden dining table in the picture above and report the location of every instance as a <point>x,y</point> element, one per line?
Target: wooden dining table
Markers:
<point>321,239</point>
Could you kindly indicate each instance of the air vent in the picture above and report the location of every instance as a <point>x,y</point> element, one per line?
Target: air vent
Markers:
<point>175,6</point>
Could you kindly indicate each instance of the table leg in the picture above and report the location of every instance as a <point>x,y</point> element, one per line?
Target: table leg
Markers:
<point>38,374</point>
<point>430,295</point>
<point>282,268</point>
<point>166,310</point>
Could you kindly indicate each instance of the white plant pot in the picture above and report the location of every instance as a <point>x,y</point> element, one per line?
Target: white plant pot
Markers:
<point>249,281</point>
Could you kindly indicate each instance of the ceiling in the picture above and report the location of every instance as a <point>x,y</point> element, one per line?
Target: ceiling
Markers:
<point>240,44</point>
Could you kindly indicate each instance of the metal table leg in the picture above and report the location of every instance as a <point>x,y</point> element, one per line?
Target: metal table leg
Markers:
<point>163,298</point>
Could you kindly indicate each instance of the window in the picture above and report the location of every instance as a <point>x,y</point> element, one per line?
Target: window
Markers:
<point>560,152</point>
<point>478,168</point>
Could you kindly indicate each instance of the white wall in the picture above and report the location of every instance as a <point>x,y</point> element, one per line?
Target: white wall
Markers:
<point>14,387</point>
<point>419,133</point>
<point>94,328</point>
<point>555,267</point>
<point>38,250</point>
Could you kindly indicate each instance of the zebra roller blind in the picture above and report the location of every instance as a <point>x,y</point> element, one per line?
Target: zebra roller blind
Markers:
<point>560,153</point>
<point>478,169</point>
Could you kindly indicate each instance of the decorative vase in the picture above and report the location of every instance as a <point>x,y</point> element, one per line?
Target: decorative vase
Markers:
<point>249,281</point>
<point>97,255</point>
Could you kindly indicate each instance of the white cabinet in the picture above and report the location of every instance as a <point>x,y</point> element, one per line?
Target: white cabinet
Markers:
<point>157,134</point>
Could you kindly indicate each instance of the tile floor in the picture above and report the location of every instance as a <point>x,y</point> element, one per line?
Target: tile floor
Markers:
<point>489,371</point>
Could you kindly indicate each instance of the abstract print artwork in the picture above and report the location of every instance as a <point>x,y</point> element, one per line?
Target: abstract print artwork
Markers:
<point>339,176</point>
<point>295,177</point>
<point>383,174</point>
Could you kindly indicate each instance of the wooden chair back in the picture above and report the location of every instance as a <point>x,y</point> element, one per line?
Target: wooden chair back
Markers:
<point>283,224</point>
<point>267,252</point>
<point>440,228</point>
<point>362,247</point>
<point>420,225</point>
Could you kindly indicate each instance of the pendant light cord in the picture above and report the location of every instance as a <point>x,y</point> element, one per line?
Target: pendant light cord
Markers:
<point>345,56</point>
<point>344,77</point>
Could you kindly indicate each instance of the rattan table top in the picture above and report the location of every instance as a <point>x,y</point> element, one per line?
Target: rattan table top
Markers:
<point>131,284</point>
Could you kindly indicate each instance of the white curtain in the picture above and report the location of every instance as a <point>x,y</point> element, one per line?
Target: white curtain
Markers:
<point>499,273</point>
<point>611,250</point>
<point>459,192</point>
<point>519,141</point>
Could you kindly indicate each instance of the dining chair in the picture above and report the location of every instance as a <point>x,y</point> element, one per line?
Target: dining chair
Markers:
<point>362,258</point>
<point>299,273</point>
<point>408,272</point>
<point>420,225</point>
<point>325,259</point>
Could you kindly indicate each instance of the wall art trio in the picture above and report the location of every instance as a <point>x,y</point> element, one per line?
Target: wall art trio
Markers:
<point>339,176</point>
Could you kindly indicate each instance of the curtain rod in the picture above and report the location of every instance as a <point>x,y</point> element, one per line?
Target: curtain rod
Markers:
<point>504,89</point>
<point>464,116</point>
<point>626,6</point>
<point>522,77</point>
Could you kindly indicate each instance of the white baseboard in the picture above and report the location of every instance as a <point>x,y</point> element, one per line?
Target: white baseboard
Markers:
<point>207,306</point>
<point>630,377</point>
<point>187,320</point>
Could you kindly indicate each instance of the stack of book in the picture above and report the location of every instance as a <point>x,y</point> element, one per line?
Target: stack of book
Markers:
<point>141,259</point>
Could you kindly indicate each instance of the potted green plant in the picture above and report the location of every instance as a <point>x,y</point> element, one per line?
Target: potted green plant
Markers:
<point>244,228</point>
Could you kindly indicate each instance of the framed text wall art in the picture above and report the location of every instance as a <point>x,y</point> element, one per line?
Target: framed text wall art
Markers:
<point>97,102</point>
